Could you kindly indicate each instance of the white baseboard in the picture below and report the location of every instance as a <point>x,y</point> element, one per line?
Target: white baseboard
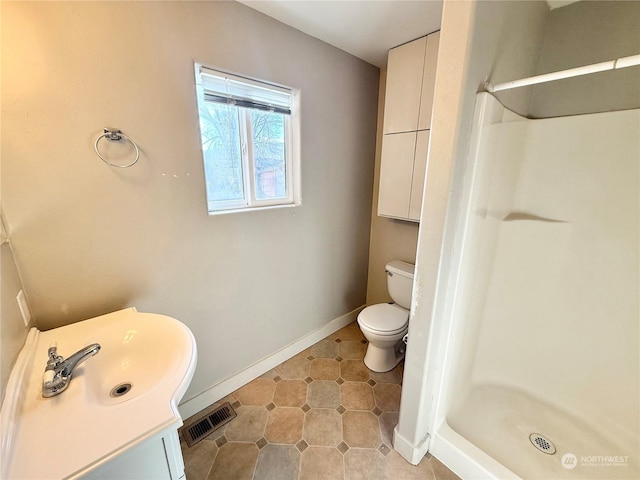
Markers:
<point>411,453</point>
<point>225,387</point>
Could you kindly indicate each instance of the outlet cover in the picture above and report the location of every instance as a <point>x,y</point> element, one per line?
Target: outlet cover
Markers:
<point>24,308</point>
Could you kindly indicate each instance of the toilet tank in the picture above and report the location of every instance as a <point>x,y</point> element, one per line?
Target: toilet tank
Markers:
<point>400,282</point>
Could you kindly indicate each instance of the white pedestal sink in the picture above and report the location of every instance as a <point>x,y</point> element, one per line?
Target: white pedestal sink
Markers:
<point>92,430</point>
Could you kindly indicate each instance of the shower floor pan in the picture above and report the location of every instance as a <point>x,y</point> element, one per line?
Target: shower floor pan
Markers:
<point>505,423</point>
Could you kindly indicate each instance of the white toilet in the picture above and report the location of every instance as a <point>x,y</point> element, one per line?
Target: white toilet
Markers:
<point>384,324</point>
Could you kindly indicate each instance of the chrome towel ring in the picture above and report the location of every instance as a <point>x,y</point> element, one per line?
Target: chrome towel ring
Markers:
<point>114,135</point>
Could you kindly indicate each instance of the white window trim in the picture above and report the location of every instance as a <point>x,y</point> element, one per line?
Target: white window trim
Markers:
<point>292,154</point>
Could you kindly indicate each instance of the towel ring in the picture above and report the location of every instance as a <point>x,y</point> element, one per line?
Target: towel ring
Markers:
<point>115,136</point>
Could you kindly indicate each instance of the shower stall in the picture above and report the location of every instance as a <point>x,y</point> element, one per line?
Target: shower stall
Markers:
<point>523,360</point>
<point>541,353</point>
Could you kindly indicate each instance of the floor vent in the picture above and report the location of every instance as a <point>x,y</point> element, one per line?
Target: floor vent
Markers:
<point>542,443</point>
<point>207,422</point>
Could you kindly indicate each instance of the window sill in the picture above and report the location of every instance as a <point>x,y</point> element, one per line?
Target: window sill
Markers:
<point>252,209</point>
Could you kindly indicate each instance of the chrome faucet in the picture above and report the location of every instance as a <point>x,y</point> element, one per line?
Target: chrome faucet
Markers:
<point>57,374</point>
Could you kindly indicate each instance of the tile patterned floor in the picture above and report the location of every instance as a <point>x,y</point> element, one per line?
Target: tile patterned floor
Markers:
<point>321,415</point>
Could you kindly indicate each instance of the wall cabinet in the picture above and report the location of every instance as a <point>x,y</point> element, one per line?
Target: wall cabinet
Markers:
<point>411,71</point>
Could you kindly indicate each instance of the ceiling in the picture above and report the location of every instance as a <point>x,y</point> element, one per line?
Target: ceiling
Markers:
<point>365,29</point>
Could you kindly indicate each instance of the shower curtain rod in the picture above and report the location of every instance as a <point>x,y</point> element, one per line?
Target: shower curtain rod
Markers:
<point>618,63</point>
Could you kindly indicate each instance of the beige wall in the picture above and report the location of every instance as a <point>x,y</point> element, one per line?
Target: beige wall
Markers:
<point>498,41</point>
<point>390,239</point>
<point>396,239</point>
<point>581,34</point>
<point>90,239</point>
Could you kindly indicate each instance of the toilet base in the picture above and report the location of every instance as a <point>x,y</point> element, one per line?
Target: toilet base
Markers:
<point>383,359</point>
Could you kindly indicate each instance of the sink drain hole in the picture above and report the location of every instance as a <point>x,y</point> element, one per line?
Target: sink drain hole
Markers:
<point>120,390</point>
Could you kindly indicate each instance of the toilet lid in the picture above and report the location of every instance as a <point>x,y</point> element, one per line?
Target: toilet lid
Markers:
<point>386,318</point>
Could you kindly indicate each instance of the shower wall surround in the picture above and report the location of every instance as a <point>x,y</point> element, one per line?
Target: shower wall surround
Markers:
<point>546,333</point>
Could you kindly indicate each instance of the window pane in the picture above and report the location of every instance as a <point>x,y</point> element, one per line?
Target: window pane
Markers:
<point>221,146</point>
<point>269,155</point>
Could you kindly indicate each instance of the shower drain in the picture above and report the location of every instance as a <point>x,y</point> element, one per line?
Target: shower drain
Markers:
<point>542,443</point>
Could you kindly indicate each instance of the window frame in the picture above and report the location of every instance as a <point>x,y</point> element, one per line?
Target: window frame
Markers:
<point>291,144</point>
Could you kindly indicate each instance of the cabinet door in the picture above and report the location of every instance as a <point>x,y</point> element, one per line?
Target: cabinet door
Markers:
<point>428,81</point>
<point>404,82</point>
<point>396,168</point>
<point>145,461</point>
<point>419,171</point>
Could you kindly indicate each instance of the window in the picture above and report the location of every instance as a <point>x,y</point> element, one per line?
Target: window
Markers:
<point>249,133</point>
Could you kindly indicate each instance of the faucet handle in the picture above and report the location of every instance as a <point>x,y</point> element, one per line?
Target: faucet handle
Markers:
<point>54,358</point>
<point>48,376</point>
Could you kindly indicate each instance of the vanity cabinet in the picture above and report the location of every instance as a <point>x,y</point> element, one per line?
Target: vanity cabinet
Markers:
<point>101,436</point>
<point>411,71</point>
<point>157,458</point>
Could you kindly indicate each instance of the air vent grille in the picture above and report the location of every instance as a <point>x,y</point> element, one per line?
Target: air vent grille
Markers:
<point>207,422</point>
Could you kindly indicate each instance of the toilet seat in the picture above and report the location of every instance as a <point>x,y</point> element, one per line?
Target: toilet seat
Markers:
<point>384,318</point>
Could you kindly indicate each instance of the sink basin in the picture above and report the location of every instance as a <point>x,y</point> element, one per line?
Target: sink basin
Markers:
<point>118,398</point>
<point>136,358</point>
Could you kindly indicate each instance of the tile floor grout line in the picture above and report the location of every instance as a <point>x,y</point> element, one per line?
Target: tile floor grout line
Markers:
<point>212,462</point>
<point>255,467</point>
<point>317,458</point>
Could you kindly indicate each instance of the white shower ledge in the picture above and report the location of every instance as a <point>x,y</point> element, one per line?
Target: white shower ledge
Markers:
<point>72,434</point>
